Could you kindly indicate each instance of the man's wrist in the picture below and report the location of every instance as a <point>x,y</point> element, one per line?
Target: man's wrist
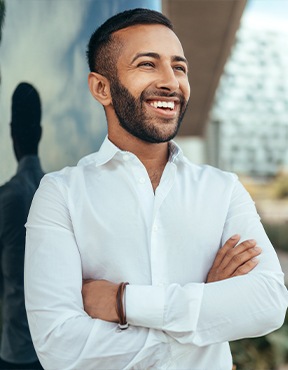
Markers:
<point>121,306</point>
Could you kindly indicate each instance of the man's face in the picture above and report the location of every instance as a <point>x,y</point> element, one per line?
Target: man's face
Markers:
<point>151,89</point>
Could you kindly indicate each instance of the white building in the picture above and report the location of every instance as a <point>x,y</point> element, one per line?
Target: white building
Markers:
<point>248,128</point>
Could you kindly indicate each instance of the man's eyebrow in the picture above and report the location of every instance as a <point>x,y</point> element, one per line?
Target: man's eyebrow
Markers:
<point>178,58</point>
<point>174,58</point>
<point>148,54</point>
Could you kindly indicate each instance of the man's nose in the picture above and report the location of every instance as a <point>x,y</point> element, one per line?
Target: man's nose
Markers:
<point>167,79</point>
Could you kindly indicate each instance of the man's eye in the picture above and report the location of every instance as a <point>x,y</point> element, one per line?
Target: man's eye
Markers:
<point>181,69</point>
<point>146,64</point>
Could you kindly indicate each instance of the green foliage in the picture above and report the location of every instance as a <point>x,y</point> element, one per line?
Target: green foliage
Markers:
<point>252,354</point>
<point>278,234</point>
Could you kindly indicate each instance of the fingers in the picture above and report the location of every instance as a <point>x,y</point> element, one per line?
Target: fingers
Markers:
<point>240,254</point>
<point>246,267</point>
<point>230,243</point>
<point>234,260</point>
<point>243,262</point>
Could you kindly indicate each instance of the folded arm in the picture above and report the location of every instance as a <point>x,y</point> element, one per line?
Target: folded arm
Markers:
<point>247,305</point>
<point>241,297</point>
<point>99,296</point>
<point>64,336</point>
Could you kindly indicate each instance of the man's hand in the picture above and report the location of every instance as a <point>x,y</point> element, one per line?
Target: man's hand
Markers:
<point>234,261</point>
<point>99,299</point>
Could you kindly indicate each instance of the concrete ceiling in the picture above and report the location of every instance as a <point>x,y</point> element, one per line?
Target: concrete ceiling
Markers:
<point>206,29</point>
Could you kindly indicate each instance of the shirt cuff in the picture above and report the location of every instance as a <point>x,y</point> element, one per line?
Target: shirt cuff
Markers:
<point>145,305</point>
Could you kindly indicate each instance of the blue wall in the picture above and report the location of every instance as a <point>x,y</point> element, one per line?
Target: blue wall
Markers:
<point>51,39</point>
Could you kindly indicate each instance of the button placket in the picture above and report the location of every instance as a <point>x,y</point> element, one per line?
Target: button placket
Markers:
<point>158,256</point>
<point>159,264</point>
<point>155,228</point>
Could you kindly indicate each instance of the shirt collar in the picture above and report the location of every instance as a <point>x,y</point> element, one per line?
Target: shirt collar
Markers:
<point>108,150</point>
<point>175,152</point>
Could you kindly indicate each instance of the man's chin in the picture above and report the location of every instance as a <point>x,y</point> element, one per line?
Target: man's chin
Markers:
<point>155,133</point>
<point>157,139</point>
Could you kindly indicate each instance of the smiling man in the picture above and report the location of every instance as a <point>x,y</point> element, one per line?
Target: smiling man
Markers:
<point>148,111</point>
<point>137,258</point>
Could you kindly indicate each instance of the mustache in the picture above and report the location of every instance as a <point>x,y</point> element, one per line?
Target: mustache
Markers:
<point>164,94</point>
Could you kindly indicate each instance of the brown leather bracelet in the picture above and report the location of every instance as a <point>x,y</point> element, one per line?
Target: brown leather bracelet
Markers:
<point>120,309</point>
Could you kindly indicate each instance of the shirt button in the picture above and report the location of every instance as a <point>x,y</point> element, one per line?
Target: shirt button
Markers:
<point>142,180</point>
<point>126,157</point>
<point>155,228</point>
<point>160,282</point>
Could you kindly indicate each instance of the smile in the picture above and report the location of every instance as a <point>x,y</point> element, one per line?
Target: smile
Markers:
<point>163,104</point>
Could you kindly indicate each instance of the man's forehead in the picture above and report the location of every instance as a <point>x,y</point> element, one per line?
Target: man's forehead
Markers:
<point>149,37</point>
<point>138,29</point>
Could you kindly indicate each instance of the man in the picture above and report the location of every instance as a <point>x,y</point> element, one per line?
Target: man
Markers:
<point>17,350</point>
<point>138,211</point>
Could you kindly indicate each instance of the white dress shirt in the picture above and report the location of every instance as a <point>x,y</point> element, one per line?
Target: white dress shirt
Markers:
<point>102,220</point>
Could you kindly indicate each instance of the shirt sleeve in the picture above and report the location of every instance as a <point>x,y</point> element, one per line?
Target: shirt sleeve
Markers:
<point>64,336</point>
<point>203,314</point>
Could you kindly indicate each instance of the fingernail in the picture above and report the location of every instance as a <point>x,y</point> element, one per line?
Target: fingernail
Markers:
<point>251,241</point>
<point>255,259</point>
<point>236,236</point>
<point>257,249</point>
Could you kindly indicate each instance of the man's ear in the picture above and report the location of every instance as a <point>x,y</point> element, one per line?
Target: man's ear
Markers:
<point>100,88</point>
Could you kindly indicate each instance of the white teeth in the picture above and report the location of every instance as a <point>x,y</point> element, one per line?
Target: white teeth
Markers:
<point>163,104</point>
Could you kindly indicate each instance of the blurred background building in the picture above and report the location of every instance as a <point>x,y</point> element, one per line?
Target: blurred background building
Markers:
<point>239,124</point>
<point>248,125</point>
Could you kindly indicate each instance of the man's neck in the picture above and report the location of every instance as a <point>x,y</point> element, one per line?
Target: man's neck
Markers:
<point>155,161</point>
<point>153,156</point>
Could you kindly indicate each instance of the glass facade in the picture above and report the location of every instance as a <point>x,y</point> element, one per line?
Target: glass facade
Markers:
<point>44,43</point>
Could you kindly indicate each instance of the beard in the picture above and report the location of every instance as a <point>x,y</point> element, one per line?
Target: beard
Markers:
<point>133,117</point>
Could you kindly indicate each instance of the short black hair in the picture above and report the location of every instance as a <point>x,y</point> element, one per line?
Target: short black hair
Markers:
<point>26,117</point>
<point>101,50</point>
